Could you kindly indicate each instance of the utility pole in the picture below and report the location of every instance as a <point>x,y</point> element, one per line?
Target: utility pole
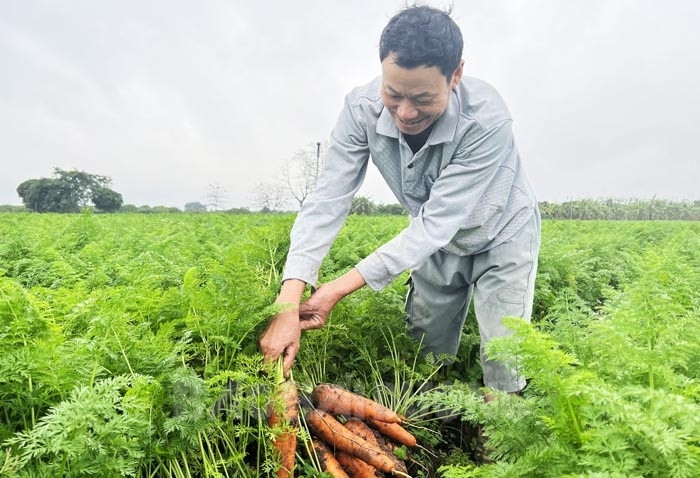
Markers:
<point>318,156</point>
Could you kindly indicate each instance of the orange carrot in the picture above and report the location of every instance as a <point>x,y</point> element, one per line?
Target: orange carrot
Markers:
<point>334,399</point>
<point>361,429</point>
<point>330,430</point>
<point>356,467</point>
<point>394,431</point>
<point>328,462</point>
<point>283,414</point>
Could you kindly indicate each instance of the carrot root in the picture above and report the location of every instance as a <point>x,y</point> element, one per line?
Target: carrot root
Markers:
<point>330,430</point>
<point>372,436</point>
<point>287,422</point>
<point>329,463</point>
<point>395,432</point>
<point>356,467</point>
<point>334,399</point>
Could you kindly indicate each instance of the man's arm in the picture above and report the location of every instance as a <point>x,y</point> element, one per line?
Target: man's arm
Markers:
<point>314,230</point>
<point>325,210</point>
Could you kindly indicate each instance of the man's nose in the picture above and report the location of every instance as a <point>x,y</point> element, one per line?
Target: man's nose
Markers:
<point>406,111</point>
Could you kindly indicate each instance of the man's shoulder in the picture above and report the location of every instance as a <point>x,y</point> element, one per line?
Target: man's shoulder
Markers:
<point>368,93</point>
<point>481,102</point>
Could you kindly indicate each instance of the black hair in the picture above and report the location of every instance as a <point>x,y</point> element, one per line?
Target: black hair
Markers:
<point>423,36</point>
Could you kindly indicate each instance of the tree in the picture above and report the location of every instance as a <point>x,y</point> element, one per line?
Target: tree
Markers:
<point>68,191</point>
<point>12,208</point>
<point>270,196</point>
<point>164,209</point>
<point>363,206</point>
<point>107,200</point>
<point>303,169</point>
<point>195,206</point>
<point>216,195</point>
<point>391,209</point>
<point>80,186</point>
<point>46,195</point>
<point>238,210</point>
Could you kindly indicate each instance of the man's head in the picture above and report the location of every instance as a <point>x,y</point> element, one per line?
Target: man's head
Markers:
<point>421,54</point>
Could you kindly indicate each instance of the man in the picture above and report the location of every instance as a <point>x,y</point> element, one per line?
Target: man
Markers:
<point>444,145</point>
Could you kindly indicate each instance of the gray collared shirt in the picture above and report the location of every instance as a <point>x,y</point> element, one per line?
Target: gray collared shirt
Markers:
<point>465,189</point>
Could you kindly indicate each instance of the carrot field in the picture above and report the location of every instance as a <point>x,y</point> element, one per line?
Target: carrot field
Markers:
<point>128,347</point>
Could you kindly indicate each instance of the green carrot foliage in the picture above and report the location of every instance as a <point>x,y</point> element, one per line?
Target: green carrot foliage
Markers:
<point>128,347</point>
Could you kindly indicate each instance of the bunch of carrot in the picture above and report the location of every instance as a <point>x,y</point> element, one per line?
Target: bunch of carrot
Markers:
<point>362,447</point>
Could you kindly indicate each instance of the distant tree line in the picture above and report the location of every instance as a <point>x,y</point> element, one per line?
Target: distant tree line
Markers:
<point>622,209</point>
<point>360,205</point>
<point>72,191</point>
<point>581,209</point>
<point>130,208</point>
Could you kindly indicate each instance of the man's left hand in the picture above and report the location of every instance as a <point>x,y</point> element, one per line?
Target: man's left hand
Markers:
<point>314,313</point>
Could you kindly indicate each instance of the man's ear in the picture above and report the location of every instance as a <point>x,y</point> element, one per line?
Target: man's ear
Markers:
<point>457,75</point>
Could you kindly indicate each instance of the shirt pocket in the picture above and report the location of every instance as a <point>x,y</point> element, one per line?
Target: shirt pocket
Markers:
<point>421,183</point>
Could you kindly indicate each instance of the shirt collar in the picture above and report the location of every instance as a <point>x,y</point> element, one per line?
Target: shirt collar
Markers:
<point>386,125</point>
<point>443,130</point>
<point>446,125</point>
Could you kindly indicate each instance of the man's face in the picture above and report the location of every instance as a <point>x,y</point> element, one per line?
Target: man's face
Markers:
<point>416,97</point>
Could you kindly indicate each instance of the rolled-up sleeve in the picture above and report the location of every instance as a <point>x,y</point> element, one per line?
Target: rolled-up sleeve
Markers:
<point>325,210</point>
<point>456,202</point>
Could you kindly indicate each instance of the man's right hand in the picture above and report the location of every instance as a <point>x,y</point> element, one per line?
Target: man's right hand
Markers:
<point>282,335</point>
<point>281,338</point>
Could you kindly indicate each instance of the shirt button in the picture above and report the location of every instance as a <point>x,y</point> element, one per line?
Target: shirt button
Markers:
<point>410,166</point>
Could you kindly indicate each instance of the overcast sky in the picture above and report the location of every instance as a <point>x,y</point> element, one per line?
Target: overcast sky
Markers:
<point>168,97</point>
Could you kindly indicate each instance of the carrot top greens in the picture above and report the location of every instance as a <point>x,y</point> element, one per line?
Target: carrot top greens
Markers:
<point>120,333</point>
